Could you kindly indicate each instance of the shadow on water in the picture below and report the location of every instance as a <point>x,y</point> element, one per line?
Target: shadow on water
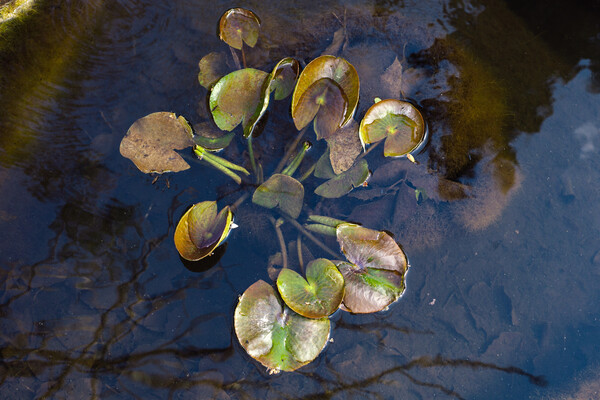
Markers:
<point>96,303</point>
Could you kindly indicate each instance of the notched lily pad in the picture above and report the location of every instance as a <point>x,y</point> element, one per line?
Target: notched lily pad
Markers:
<point>317,296</point>
<point>370,290</point>
<point>238,26</point>
<point>345,182</point>
<point>213,67</point>
<point>235,98</point>
<point>201,230</point>
<point>281,191</point>
<point>396,121</point>
<point>369,248</point>
<point>274,335</point>
<point>324,102</point>
<point>337,69</point>
<point>150,143</point>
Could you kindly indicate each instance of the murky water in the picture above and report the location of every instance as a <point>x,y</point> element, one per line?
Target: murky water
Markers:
<point>503,292</point>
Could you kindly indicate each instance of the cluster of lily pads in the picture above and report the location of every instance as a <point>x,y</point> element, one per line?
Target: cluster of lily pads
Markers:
<point>287,328</point>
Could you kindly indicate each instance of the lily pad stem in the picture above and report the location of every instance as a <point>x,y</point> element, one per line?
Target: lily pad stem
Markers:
<point>310,236</point>
<point>322,229</point>
<point>290,150</point>
<point>276,224</point>
<point>299,250</point>
<point>252,160</point>
<point>221,164</point>
<point>308,172</point>
<point>290,169</point>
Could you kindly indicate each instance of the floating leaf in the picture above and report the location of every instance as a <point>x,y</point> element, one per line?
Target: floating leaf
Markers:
<point>368,248</point>
<point>281,191</point>
<point>399,122</point>
<point>317,296</point>
<point>213,67</point>
<point>273,334</point>
<point>324,102</point>
<point>323,168</point>
<point>150,143</point>
<point>200,230</point>
<point>336,69</point>
<point>210,137</point>
<point>344,147</point>
<point>238,26</point>
<point>284,77</point>
<point>368,289</point>
<point>236,97</point>
<point>345,182</point>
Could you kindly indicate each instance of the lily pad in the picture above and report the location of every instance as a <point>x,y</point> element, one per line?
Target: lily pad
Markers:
<point>317,296</point>
<point>396,121</point>
<point>210,137</point>
<point>344,147</point>
<point>370,290</point>
<point>337,69</point>
<point>150,143</point>
<point>281,191</point>
<point>235,98</point>
<point>283,77</point>
<point>238,26</point>
<point>368,248</point>
<point>345,182</point>
<point>213,67</point>
<point>201,230</point>
<point>273,334</point>
<point>323,168</point>
<point>324,102</point>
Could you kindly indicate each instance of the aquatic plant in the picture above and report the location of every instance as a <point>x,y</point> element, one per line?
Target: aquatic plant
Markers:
<point>287,328</point>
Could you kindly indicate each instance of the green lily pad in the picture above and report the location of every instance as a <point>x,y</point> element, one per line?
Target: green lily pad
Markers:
<point>150,143</point>
<point>213,67</point>
<point>210,137</point>
<point>201,230</point>
<point>284,77</point>
<point>370,290</point>
<point>281,191</point>
<point>396,121</point>
<point>368,248</point>
<point>238,26</point>
<point>324,102</point>
<point>337,69</point>
<point>317,296</point>
<point>323,168</point>
<point>345,182</point>
<point>235,98</point>
<point>274,335</point>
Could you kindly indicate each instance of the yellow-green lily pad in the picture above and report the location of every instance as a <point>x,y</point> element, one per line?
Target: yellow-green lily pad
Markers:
<point>275,335</point>
<point>317,296</point>
<point>346,181</point>
<point>201,230</point>
<point>281,191</point>
<point>398,122</point>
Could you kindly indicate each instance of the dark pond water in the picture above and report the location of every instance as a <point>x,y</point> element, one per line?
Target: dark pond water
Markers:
<point>503,291</point>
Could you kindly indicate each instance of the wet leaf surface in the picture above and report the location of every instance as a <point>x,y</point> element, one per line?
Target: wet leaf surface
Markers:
<point>281,191</point>
<point>274,335</point>
<point>238,26</point>
<point>398,122</point>
<point>317,296</point>
<point>336,69</point>
<point>150,143</point>
<point>324,102</point>
<point>345,182</point>
<point>200,230</point>
<point>235,98</point>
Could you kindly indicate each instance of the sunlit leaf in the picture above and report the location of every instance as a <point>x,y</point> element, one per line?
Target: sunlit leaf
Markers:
<point>236,97</point>
<point>238,26</point>
<point>284,77</point>
<point>200,230</point>
<point>150,143</point>
<point>281,191</point>
<point>344,147</point>
<point>398,122</point>
<point>368,248</point>
<point>274,335</point>
<point>370,290</point>
<point>213,67</point>
<point>317,296</point>
<point>345,182</point>
<point>336,69</point>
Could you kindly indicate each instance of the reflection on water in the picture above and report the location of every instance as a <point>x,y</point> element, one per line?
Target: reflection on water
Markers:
<point>96,303</point>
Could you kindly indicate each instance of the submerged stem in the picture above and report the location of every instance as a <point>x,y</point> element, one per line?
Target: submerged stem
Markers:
<point>251,154</point>
<point>276,225</point>
<point>290,150</point>
<point>290,169</point>
<point>311,237</point>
